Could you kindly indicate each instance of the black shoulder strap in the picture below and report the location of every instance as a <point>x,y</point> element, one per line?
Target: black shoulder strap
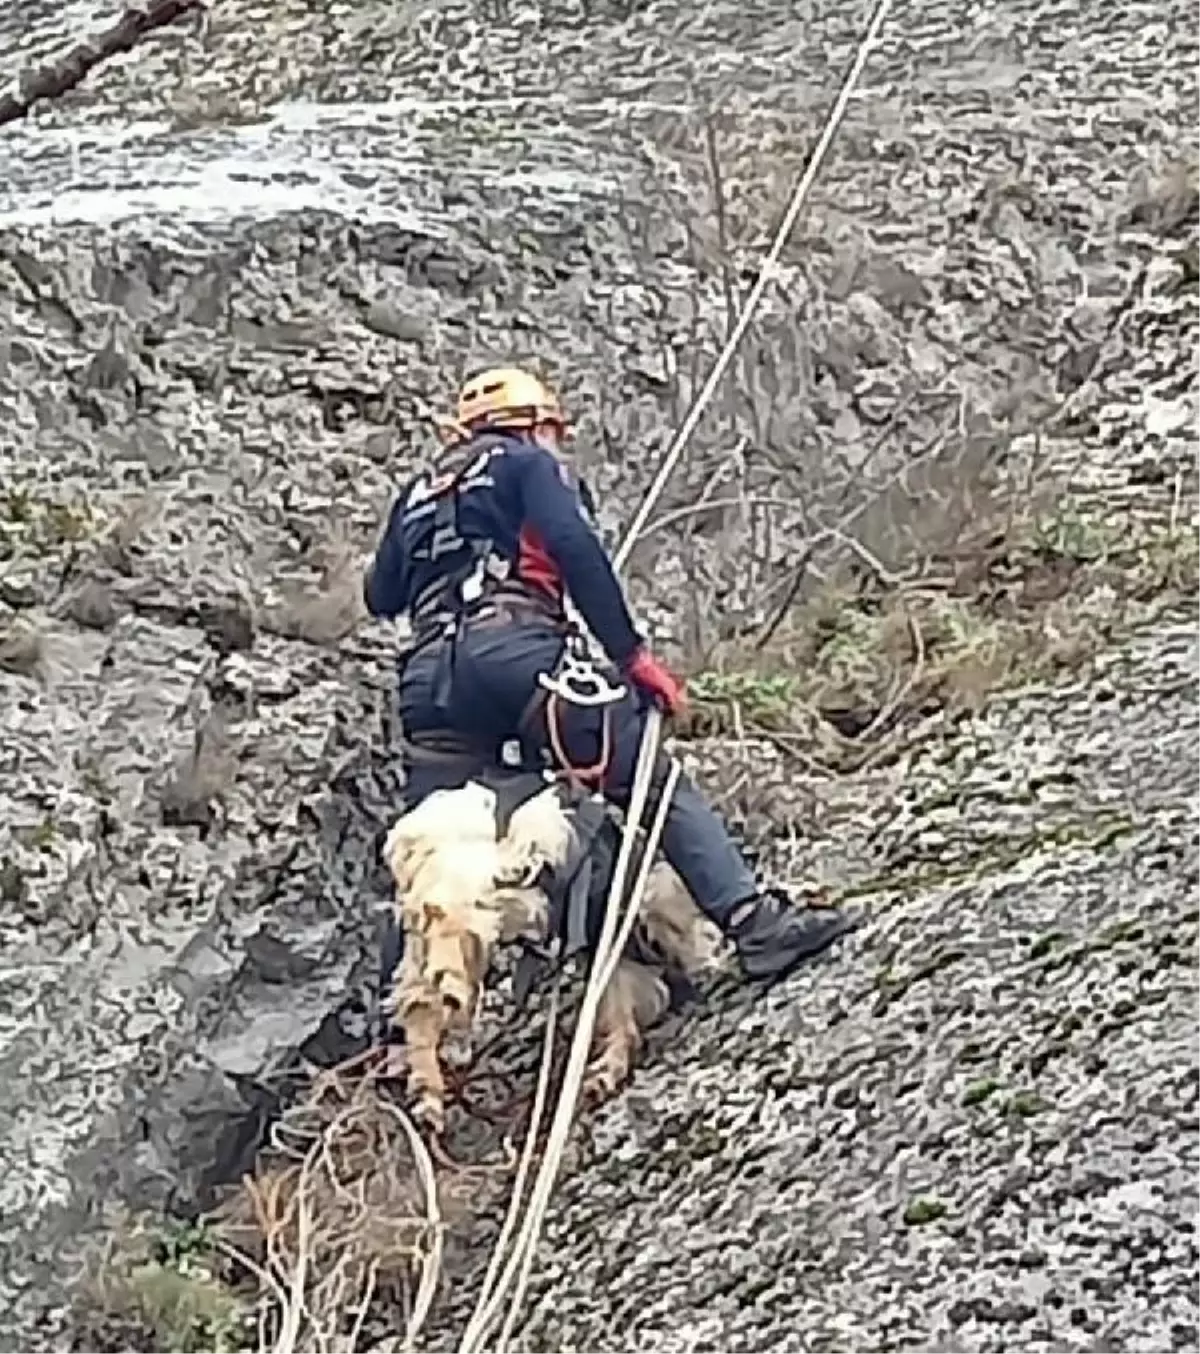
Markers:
<point>455,461</point>
<point>586,497</point>
<point>440,540</point>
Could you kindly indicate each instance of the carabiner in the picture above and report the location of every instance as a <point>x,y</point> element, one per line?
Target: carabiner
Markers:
<point>580,682</point>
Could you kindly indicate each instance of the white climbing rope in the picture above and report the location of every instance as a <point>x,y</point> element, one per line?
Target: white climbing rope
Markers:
<point>616,928</point>
<point>614,935</point>
<point>604,965</point>
<point>766,273</point>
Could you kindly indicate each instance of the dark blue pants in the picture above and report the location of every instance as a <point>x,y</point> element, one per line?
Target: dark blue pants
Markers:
<point>495,676</point>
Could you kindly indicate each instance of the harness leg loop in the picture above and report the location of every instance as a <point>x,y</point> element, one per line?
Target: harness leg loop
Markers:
<point>578,680</point>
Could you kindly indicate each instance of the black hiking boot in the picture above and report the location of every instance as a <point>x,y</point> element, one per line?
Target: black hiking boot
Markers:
<point>773,936</point>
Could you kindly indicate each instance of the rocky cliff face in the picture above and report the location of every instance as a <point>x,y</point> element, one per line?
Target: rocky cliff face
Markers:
<point>237,269</point>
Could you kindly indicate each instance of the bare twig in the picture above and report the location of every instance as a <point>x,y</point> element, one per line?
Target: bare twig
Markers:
<point>717,182</point>
<point>766,274</point>
<point>335,1215</point>
<point>930,451</point>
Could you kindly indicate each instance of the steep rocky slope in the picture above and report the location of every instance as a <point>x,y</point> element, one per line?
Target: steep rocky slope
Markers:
<point>238,267</point>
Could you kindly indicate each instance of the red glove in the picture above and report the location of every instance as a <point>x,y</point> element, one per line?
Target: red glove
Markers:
<point>651,678</point>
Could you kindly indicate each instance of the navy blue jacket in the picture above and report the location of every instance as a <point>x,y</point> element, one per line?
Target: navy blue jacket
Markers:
<point>520,498</point>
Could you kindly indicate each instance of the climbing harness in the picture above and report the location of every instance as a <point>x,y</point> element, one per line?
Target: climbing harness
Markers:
<point>578,679</point>
<point>433,504</point>
<point>432,513</point>
<point>477,588</point>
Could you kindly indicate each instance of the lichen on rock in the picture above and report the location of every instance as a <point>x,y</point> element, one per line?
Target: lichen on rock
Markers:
<point>238,270</point>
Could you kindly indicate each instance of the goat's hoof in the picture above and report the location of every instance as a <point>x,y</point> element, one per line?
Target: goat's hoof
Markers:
<point>600,1084</point>
<point>430,1114</point>
<point>456,1050</point>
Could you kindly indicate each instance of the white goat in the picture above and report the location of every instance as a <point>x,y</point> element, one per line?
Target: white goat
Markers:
<point>461,891</point>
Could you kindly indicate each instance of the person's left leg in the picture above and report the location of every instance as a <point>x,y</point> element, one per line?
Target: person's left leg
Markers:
<point>695,840</point>
<point>419,715</point>
<point>772,935</point>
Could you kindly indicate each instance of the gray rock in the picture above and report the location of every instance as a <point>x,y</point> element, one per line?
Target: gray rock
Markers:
<point>974,1127</point>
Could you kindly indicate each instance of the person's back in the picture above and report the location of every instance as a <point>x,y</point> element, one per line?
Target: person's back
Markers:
<point>481,552</point>
<point>497,509</point>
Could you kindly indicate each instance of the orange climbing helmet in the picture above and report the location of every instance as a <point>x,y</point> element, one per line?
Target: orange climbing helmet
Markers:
<point>507,397</point>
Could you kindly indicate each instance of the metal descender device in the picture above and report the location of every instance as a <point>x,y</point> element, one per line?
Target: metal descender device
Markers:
<point>578,679</point>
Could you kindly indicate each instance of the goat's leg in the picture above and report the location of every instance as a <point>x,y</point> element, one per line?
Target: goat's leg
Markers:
<point>633,1000</point>
<point>422,1020</point>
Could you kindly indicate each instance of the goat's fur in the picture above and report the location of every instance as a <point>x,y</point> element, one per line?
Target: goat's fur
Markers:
<point>461,891</point>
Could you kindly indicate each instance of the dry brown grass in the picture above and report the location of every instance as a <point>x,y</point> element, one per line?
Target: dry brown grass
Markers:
<point>341,1214</point>
<point>862,662</point>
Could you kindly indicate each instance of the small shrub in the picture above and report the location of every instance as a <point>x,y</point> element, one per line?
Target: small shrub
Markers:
<point>157,1287</point>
